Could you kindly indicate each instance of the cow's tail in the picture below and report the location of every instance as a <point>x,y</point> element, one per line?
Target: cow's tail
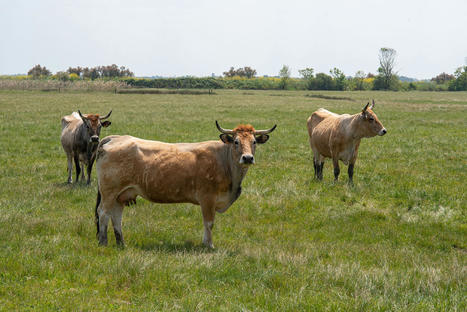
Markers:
<point>98,201</point>
<point>309,126</point>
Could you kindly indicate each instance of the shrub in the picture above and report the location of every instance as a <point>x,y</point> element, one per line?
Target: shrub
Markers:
<point>460,83</point>
<point>73,76</point>
<point>322,82</point>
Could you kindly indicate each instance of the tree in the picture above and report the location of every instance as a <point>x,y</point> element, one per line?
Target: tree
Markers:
<point>284,73</point>
<point>359,77</point>
<point>460,83</point>
<point>338,77</point>
<point>322,82</point>
<point>386,78</point>
<point>443,78</point>
<point>38,71</point>
<point>63,76</point>
<point>246,71</point>
<point>307,75</point>
<point>231,73</point>
<point>77,70</point>
<point>249,72</point>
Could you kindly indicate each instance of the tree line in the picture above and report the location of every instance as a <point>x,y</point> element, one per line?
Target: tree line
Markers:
<point>73,73</point>
<point>246,78</point>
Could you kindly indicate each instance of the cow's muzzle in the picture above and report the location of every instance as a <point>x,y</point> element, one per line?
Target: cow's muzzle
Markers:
<point>247,160</point>
<point>94,139</point>
<point>383,131</point>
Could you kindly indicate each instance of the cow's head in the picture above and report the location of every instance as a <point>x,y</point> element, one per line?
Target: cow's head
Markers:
<point>371,125</point>
<point>93,124</point>
<point>243,140</point>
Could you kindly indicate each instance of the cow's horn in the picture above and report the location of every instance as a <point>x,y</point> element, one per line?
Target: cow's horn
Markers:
<point>260,132</point>
<point>366,106</point>
<point>372,104</point>
<point>106,116</point>
<point>226,131</point>
<point>81,115</point>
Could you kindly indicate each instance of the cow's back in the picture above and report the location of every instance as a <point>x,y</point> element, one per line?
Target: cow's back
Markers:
<point>322,126</point>
<point>161,172</point>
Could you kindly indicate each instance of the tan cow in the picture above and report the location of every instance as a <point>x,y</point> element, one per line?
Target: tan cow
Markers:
<point>208,174</point>
<point>80,137</point>
<point>338,137</point>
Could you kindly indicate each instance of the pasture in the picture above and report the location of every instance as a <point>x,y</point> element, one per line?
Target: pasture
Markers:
<point>397,240</point>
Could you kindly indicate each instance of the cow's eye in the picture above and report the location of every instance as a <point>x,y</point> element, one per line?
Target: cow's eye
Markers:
<point>254,142</point>
<point>236,142</point>
<point>372,119</point>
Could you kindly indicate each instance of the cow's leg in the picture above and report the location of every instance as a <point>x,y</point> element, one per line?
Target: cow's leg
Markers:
<point>77,166</point>
<point>89,169</point>
<point>82,171</point>
<point>320,167</point>
<point>350,172</point>
<point>209,212</point>
<point>103,221</point>
<point>335,162</point>
<point>316,163</point>
<point>116,216</point>
<point>315,167</point>
<point>70,167</point>
<point>352,163</point>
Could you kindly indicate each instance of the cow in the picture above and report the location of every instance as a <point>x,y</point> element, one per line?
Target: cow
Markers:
<point>208,174</point>
<point>80,137</point>
<point>338,137</point>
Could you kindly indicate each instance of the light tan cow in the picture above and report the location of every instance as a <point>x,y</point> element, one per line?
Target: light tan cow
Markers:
<point>79,138</point>
<point>338,137</point>
<point>208,174</point>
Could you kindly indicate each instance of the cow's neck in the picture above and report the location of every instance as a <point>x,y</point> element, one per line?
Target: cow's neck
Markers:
<point>236,173</point>
<point>355,125</point>
<point>82,139</point>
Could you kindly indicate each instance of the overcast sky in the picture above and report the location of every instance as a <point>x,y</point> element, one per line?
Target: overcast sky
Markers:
<point>200,37</point>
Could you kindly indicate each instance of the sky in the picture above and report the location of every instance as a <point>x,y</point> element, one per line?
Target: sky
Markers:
<point>203,37</point>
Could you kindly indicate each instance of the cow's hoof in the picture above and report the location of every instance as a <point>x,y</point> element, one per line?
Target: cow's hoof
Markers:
<point>209,245</point>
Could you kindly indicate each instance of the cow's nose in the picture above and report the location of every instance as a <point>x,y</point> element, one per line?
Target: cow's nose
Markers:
<point>247,159</point>
<point>94,138</point>
<point>383,131</point>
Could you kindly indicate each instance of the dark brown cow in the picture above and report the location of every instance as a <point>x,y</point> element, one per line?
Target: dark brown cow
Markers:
<point>338,137</point>
<point>80,137</point>
<point>208,174</point>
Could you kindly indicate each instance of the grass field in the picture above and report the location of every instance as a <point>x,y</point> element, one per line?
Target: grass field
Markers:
<point>395,241</point>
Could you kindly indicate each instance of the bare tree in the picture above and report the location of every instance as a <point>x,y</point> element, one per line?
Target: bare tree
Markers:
<point>387,62</point>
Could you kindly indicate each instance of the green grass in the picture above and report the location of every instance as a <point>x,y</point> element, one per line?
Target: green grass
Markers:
<point>395,241</point>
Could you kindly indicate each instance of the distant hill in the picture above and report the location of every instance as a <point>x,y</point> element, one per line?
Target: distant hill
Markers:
<point>407,79</point>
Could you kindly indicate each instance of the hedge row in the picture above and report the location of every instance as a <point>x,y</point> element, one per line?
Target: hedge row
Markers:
<point>262,83</point>
<point>175,83</point>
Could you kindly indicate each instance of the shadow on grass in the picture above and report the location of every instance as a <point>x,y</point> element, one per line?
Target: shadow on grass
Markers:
<point>169,247</point>
<point>79,185</point>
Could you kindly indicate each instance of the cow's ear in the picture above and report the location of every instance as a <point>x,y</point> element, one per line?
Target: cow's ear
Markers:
<point>106,123</point>
<point>261,139</point>
<point>226,138</point>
